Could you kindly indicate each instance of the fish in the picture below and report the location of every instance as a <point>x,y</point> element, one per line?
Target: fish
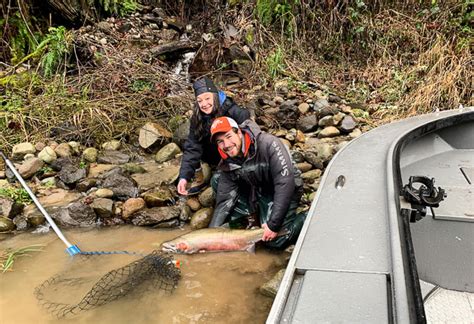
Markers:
<point>216,239</point>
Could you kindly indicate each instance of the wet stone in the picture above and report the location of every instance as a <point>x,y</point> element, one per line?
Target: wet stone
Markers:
<point>158,198</point>
<point>155,215</point>
<point>6,224</point>
<point>270,288</point>
<point>193,203</point>
<point>201,218</point>
<point>113,157</point>
<point>103,207</point>
<point>206,198</point>
<point>131,206</point>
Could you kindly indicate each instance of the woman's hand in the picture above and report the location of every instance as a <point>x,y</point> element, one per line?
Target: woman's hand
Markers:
<point>268,234</point>
<point>182,187</point>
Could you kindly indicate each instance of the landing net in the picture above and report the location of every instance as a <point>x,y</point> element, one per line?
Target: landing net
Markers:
<point>154,271</point>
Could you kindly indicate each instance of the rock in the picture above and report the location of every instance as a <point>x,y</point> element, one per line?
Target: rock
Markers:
<point>311,175</point>
<point>131,206</point>
<point>48,182</point>
<point>155,176</point>
<point>70,173</point>
<point>155,215</point>
<point>2,175</point>
<point>297,156</point>
<point>6,224</point>
<point>185,214</point>
<point>299,137</point>
<point>307,123</point>
<point>334,98</point>
<point>47,155</point>
<point>193,203</point>
<point>201,218</point>
<point>133,168</point>
<point>122,186</point>
<point>355,133</point>
<point>152,133</point>
<point>9,208</point>
<point>338,118</point>
<point>85,184</point>
<point>320,104</point>
<point>270,288</point>
<point>28,168</point>
<point>75,147</point>
<point>181,133</point>
<point>326,111</point>
<point>281,87</point>
<point>103,207</point>
<point>40,146</point>
<point>315,160</point>
<point>167,152</point>
<point>36,220</point>
<point>206,198</point>
<point>158,198</point>
<point>323,150</point>
<point>104,193</point>
<point>96,170</point>
<point>75,214</point>
<point>329,131</point>
<point>304,166</point>
<point>90,154</point>
<point>57,199</point>
<point>326,121</point>
<point>63,150</point>
<point>21,149</point>
<point>348,124</point>
<point>113,145</point>
<point>113,157</point>
<point>303,108</point>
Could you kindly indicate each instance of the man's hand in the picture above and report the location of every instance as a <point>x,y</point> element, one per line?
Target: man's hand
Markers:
<point>268,234</point>
<point>181,187</point>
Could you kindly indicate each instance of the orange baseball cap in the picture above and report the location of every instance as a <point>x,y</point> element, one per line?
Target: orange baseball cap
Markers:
<point>222,125</point>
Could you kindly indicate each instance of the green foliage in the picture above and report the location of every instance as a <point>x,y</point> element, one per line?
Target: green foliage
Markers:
<point>8,257</point>
<point>275,63</point>
<point>17,33</point>
<point>141,85</point>
<point>58,42</point>
<point>18,195</point>
<point>277,11</point>
<point>118,7</point>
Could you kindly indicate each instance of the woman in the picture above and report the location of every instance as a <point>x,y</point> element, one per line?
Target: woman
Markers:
<point>210,103</point>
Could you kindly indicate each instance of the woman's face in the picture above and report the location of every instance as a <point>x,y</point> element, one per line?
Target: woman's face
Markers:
<point>205,102</point>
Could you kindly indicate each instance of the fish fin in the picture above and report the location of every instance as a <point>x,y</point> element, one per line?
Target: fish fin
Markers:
<point>251,248</point>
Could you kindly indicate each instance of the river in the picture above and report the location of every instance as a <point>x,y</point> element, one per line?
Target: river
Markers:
<point>214,287</point>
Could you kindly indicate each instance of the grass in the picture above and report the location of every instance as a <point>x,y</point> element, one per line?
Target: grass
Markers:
<point>8,257</point>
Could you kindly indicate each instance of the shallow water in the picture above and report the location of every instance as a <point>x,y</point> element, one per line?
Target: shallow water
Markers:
<point>214,287</point>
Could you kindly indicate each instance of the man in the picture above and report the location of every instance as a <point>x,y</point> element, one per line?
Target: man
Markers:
<point>256,176</point>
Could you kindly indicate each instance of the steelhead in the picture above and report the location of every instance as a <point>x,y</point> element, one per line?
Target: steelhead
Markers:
<point>214,240</point>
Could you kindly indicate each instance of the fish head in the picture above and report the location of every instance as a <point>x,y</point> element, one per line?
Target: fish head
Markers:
<point>176,247</point>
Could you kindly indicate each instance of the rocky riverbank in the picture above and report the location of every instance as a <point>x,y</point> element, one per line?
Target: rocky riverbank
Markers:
<point>134,183</point>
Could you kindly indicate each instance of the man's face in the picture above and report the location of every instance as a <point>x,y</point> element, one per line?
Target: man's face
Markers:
<point>230,143</point>
<point>206,102</point>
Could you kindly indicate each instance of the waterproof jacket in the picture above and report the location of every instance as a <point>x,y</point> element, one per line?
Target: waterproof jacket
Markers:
<point>267,170</point>
<point>196,150</point>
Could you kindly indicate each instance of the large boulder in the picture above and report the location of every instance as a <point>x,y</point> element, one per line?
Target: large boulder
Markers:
<point>156,215</point>
<point>152,133</point>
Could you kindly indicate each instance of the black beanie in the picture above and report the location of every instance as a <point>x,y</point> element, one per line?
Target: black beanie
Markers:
<point>202,85</point>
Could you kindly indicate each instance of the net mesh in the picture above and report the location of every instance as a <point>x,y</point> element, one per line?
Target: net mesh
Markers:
<point>158,271</point>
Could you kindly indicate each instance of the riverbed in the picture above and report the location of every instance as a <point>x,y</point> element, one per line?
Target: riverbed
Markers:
<point>214,287</point>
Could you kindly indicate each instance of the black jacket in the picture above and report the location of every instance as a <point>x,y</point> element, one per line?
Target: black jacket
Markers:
<point>267,169</point>
<point>196,150</point>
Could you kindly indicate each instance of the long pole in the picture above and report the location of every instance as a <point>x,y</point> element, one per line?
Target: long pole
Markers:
<point>71,249</point>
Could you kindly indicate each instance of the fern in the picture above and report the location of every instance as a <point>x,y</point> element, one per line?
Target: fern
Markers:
<point>58,40</point>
